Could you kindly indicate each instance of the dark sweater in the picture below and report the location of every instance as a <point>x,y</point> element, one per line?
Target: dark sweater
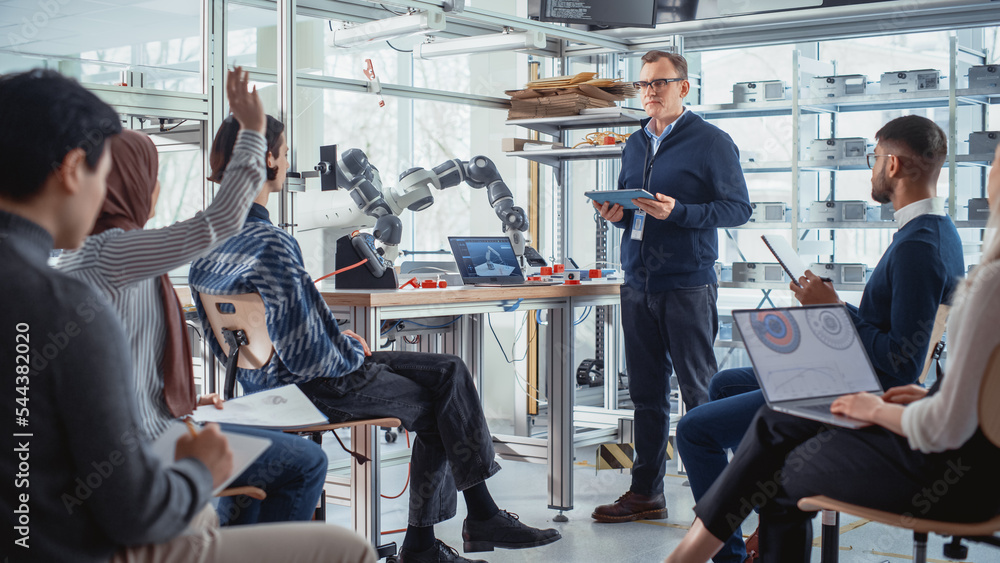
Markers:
<point>698,165</point>
<point>86,482</point>
<point>918,272</point>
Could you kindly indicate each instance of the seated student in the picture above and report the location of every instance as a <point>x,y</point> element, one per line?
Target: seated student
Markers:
<point>129,266</point>
<point>432,394</point>
<point>917,437</point>
<point>916,274</point>
<point>78,483</point>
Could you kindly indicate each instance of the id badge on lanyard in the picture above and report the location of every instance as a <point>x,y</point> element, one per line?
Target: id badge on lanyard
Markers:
<point>638,224</point>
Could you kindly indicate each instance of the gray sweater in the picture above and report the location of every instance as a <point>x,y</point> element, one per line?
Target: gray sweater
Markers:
<point>76,482</point>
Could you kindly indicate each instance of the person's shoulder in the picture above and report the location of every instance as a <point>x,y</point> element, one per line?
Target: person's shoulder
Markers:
<point>51,300</point>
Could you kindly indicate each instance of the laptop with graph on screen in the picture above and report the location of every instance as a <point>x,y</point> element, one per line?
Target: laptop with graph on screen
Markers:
<point>806,357</point>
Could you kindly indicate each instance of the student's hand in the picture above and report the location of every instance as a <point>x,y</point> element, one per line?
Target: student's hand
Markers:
<point>609,212</point>
<point>904,395</point>
<point>245,104</point>
<point>814,291</point>
<point>210,399</point>
<point>210,447</point>
<point>660,209</point>
<point>859,406</point>
<point>364,345</point>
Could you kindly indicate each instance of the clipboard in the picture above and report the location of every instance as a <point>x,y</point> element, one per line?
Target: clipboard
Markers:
<point>787,257</point>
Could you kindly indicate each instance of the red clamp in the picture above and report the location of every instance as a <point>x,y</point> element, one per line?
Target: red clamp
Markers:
<point>374,86</point>
<point>411,281</point>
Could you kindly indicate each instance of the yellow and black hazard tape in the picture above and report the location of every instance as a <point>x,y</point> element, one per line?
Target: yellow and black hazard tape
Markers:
<point>621,456</point>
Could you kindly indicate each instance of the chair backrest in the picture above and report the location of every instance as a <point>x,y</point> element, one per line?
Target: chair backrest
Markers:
<point>244,312</point>
<point>989,399</point>
<point>940,321</point>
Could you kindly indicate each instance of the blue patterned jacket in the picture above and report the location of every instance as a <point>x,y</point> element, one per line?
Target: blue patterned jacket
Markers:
<point>265,259</point>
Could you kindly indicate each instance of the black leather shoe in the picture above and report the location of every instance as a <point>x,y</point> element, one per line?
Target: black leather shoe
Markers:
<point>632,506</point>
<point>440,553</point>
<point>503,530</point>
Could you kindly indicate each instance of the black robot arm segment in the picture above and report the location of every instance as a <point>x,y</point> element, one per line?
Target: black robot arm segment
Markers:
<point>480,172</point>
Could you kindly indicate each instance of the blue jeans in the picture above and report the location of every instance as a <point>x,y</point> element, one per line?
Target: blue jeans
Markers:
<point>291,471</point>
<point>433,395</point>
<point>705,433</point>
<point>664,332</point>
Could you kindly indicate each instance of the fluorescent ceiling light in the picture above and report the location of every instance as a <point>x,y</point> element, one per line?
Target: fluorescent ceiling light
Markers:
<point>480,44</point>
<point>390,28</point>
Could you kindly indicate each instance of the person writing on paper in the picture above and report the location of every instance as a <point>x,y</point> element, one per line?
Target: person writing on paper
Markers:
<point>432,394</point>
<point>129,266</point>
<point>77,483</point>
<point>669,248</point>
<point>918,272</point>
<point>917,437</point>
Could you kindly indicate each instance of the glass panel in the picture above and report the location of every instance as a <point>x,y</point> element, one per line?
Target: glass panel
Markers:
<point>722,69</point>
<point>96,41</point>
<point>181,180</point>
<point>252,37</point>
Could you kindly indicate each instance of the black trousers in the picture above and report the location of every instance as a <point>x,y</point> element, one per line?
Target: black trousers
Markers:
<point>664,332</point>
<point>784,458</point>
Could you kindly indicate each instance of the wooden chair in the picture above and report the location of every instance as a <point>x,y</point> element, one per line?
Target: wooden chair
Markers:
<point>240,327</point>
<point>989,423</point>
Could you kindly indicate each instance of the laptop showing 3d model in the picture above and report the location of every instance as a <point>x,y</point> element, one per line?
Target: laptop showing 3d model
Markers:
<point>488,261</point>
<point>806,357</point>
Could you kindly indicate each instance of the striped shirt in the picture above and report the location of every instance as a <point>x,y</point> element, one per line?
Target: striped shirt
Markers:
<point>125,267</point>
<point>266,260</point>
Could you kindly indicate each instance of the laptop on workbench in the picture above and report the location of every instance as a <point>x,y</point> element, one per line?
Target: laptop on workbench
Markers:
<point>488,261</point>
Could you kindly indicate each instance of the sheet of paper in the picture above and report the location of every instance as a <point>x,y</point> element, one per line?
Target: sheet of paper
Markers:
<point>245,449</point>
<point>786,255</point>
<point>282,407</point>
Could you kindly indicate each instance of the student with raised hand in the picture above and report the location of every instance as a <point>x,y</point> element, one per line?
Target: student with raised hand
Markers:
<point>916,436</point>
<point>432,394</point>
<point>129,266</point>
<point>79,483</point>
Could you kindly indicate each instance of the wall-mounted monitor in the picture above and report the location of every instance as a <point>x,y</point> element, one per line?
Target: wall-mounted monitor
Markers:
<point>600,13</point>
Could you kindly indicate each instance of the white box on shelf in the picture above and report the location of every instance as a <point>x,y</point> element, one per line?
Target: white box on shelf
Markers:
<point>983,142</point>
<point>763,91</point>
<point>838,149</point>
<point>768,212</point>
<point>900,81</point>
<point>985,76</point>
<point>837,211</point>
<point>841,273</point>
<point>758,272</point>
<point>837,86</point>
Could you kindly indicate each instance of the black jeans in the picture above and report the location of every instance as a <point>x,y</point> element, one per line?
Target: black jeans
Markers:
<point>433,395</point>
<point>784,458</point>
<point>664,332</point>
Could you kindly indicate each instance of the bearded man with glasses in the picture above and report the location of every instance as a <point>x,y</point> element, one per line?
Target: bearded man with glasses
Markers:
<point>669,248</point>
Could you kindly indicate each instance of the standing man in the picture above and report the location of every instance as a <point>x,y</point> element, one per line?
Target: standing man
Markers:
<point>669,249</point>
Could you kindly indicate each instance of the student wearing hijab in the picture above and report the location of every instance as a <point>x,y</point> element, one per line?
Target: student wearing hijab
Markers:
<point>129,266</point>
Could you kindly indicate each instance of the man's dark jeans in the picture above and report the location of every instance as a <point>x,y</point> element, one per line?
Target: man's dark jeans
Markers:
<point>664,332</point>
<point>433,395</point>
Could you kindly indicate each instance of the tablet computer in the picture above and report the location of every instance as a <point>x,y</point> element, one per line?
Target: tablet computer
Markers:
<point>621,197</point>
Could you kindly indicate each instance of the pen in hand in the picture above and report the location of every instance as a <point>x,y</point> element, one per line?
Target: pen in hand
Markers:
<point>191,427</point>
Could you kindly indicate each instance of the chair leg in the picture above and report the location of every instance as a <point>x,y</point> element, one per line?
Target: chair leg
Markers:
<point>830,551</point>
<point>919,547</point>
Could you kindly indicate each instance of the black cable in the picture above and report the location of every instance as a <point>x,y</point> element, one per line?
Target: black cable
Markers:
<point>162,130</point>
<point>394,48</point>
<point>330,23</point>
<point>384,7</point>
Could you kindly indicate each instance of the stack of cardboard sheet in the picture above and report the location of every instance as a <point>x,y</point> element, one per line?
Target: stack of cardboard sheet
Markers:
<point>566,95</point>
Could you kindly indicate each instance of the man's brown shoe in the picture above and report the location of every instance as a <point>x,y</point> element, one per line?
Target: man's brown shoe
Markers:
<point>632,506</point>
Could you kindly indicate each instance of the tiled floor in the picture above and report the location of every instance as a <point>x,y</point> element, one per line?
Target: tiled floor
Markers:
<point>521,488</point>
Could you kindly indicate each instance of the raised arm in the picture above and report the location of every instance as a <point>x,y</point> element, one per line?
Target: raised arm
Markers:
<point>140,254</point>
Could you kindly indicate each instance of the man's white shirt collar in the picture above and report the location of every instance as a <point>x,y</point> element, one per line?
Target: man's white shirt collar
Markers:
<point>929,206</point>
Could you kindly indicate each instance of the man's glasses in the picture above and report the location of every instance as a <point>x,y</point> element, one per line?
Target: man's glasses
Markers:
<point>870,157</point>
<point>658,84</point>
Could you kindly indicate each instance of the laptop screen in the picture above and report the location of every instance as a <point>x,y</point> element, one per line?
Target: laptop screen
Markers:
<point>486,260</point>
<point>806,352</point>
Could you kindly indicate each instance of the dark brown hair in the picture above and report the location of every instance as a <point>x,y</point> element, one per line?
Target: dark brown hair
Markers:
<point>225,140</point>
<point>679,62</point>
<point>926,143</point>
